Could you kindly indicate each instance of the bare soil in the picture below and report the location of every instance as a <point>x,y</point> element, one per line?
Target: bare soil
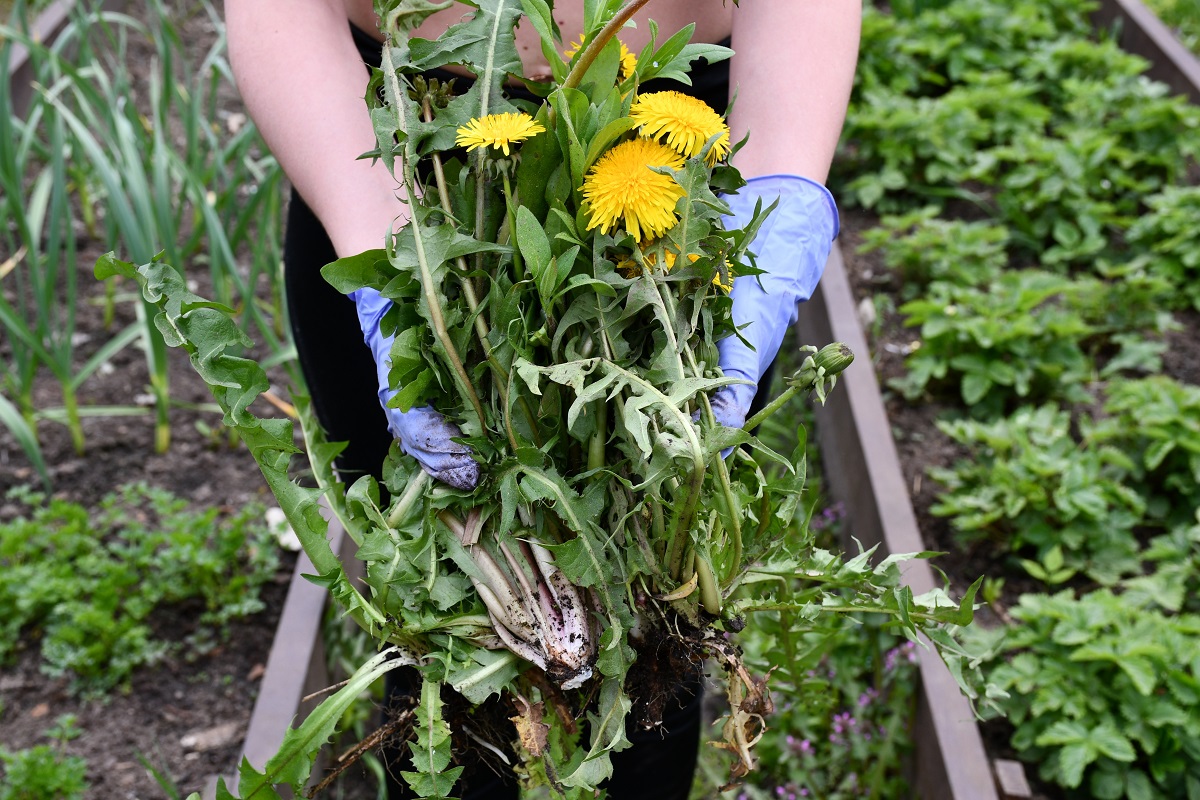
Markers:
<point>187,715</point>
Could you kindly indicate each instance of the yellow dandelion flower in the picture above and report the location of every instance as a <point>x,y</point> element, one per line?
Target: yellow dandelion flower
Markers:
<point>628,267</point>
<point>628,59</point>
<point>621,187</point>
<point>687,122</point>
<point>724,283</point>
<point>498,130</point>
<point>722,279</point>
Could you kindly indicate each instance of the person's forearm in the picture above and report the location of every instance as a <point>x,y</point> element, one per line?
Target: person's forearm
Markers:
<point>793,72</point>
<point>303,83</point>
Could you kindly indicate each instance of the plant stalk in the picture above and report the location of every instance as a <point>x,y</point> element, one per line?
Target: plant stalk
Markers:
<point>599,437</point>
<point>685,513</point>
<point>71,404</point>
<point>770,408</point>
<point>518,261</point>
<point>593,48</point>
<point>412,492</point>
<point>435,310</point>
<point>481,326</point>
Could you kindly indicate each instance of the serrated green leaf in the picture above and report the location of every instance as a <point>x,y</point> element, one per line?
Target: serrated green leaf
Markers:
<point>1112,743</point>
<point>589,768</point>
<point>1141,671</point>
<point>1072,761</point>
<point>293,763</point>
<point>431,754</point>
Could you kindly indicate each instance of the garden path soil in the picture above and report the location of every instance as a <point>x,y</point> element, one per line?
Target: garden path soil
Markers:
<point>207,696</point>
<point>187,694</point>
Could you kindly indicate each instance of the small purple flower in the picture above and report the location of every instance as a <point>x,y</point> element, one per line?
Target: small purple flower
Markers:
<point>805,746</point>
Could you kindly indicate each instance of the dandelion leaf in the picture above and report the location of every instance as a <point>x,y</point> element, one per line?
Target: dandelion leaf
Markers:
<point>588,768</point>
<point>431,753</point>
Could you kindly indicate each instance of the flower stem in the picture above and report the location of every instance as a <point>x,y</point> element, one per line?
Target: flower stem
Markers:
<point>414,490</point>
<point>518,262</point>
<point>593,48</point>
<point>599,436</point>
<point>468,286</point>
<point>685,513</point>
<point>435,310</point>
<point>770,408</point>
<point>481,326</point>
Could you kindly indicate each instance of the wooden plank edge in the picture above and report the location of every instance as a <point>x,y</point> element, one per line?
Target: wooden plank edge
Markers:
<point>297,641</point>
<point>45,29</point>
<point>863,467</point>
<point>1140,31</point>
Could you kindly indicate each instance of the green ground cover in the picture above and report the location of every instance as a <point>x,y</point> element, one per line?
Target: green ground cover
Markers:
<point>1031,188</point>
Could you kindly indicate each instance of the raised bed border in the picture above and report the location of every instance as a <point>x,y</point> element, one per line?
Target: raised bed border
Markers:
<point>45,28</point>
<point>1141,32</point>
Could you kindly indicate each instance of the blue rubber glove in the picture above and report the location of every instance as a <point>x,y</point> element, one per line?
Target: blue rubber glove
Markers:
<point>791,246</point>
<point>423,433</point>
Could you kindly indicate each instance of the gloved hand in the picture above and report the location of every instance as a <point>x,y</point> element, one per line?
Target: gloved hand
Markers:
<point>424,434</point>
<point>791,246</point>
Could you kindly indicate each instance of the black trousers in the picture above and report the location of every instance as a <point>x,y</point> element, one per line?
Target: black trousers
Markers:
<point>340,374</point>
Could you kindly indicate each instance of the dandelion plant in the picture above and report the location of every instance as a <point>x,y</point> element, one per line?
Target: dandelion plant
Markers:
<point>558,292</point>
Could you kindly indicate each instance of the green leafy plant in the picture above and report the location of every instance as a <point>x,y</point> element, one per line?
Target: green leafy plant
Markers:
<point>1029,484</point>
<point>921,48</point>
<point>1165,236</point>
<point>1172,582</point>
<point>45,772</point>
<point>1018,337</point>
<point>1102,693</point>
<point>1030,335</point>
<point>921,247</point>
<point>89,582</point>
<point>1066,193</point>
<point>1157,420</point>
